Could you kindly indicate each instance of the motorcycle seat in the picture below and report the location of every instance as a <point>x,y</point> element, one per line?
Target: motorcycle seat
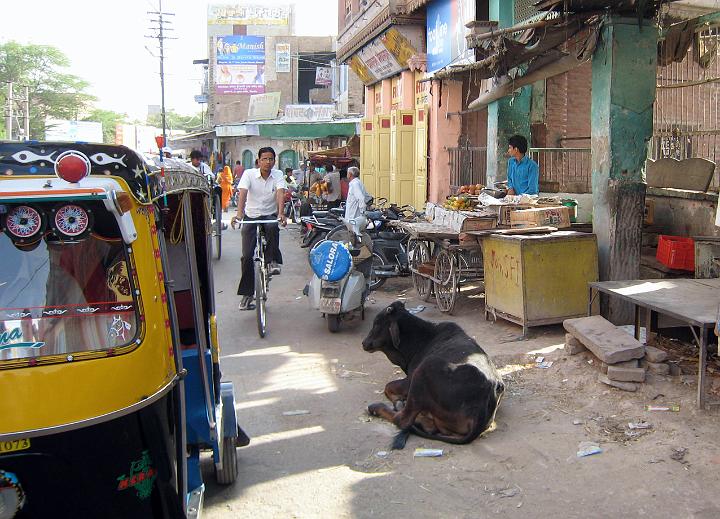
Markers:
<point>386,235</point>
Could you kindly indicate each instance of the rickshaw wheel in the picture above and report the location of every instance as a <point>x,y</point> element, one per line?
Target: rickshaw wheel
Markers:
<point>447,273</point>
<point>228,474</point>
<point>419,253</point>
<point>217,227</point>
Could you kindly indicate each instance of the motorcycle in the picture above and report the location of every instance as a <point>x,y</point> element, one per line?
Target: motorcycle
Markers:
<point>341,276</point>
<point>318,225</point>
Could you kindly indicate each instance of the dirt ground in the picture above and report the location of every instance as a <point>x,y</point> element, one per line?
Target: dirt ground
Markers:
<point>328,461</point>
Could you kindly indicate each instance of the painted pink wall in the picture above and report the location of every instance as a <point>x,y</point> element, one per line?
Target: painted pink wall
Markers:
<point>444,132</point>
<point>407,78</point>
<point>385,95</point>
<point>369,102</point>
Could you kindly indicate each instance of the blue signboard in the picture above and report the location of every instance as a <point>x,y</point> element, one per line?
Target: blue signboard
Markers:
<point>440,27</point>
<point>241,50</point>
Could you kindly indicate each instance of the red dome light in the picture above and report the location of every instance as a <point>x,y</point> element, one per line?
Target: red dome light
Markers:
<point>72,166</point>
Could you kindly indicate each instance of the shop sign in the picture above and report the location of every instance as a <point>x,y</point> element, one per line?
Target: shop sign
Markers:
<point>308,113</point>
<point>384,57</point>
<point>264,106</point>
<point>446,32</point>
<point>323,76</point>
<point>236,14</point>
<point>282,57</point>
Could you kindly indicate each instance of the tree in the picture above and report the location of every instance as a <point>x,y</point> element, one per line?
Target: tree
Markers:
<point>176,122</point>
<point>53,93</point>
<point>109,120</point>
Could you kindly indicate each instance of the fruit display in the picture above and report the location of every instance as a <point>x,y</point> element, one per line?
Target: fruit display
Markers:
<point>319,188</point>
<point>459,203</point>
<point>471,189</point>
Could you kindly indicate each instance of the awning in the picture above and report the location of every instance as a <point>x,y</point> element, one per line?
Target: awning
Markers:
<point>303,131</point>
<point>278,129</point>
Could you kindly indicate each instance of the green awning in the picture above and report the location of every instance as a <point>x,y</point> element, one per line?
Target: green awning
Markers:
<point>302,131</point>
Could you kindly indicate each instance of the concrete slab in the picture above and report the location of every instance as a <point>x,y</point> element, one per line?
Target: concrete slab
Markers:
<point>625,386</point>
<point>604,339</point>
<point>621,374</point>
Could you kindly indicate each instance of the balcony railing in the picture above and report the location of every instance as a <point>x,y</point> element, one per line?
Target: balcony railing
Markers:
<point>564,170</point>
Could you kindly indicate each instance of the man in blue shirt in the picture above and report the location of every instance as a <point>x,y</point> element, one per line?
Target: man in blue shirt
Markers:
<point>522,171</point>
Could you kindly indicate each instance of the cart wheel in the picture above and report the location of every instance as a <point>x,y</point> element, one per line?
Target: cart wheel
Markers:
<point>447,273</point>
<point>228,474</point>
<point>419,253</point>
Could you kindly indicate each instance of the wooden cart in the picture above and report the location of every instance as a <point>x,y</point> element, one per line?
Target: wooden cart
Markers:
<point>440,263</point>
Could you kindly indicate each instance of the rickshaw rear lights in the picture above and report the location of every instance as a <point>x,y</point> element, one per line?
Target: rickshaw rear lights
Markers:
<point>71,221</point>
<point>72,166</point>
<point>23,223</point>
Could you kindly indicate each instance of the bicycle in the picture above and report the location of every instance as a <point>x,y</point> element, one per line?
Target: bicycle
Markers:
<point>262,276</point>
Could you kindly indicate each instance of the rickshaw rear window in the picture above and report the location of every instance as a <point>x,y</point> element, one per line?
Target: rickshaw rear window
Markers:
<point>65,297</point>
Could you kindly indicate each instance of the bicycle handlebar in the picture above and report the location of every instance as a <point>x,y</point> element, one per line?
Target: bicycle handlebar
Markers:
<point>240,222</point>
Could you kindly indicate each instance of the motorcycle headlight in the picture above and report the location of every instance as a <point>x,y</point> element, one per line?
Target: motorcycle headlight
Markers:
<point>12,497</point>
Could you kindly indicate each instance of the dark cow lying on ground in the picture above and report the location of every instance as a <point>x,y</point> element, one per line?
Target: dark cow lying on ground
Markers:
<point>452,389</point>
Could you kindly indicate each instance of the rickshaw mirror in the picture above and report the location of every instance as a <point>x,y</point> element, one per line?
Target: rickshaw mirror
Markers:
<point>116,204</point>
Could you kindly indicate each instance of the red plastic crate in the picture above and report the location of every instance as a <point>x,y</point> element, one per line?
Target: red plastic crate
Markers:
<point>676,252</point>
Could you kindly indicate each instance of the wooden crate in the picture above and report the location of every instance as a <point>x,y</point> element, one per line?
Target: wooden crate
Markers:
<point>558,216</point>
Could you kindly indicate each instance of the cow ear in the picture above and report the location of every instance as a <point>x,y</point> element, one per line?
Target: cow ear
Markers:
<point>395,334</point>
<point>389,310</point>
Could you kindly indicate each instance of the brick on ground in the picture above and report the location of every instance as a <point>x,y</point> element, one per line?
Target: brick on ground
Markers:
<point>660,368</point>
<point>604,339</point>
<point>573,346</point>
<point>625,386</point>
<point>653,354</point>
<point>621,374</point>
<point>634,363</point>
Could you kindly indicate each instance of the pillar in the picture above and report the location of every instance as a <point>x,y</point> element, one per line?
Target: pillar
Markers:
<point>385,87</point>
<point>510,115</point>
<point>445,97</point>
<point>623,91</point>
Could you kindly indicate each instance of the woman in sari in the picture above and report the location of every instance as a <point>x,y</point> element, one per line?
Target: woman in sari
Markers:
<point>225,179</point>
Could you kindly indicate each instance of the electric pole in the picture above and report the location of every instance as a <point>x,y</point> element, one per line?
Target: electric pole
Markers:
<point>161,27</point>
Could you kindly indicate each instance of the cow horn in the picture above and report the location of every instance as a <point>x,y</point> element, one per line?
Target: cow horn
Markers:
<point>389,310</point>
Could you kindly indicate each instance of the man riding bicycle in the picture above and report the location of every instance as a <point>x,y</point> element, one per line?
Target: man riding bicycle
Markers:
<point>261,196</point>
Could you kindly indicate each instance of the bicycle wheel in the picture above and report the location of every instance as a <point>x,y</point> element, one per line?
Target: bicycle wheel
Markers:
<point>260,298</point>
<point>419,254</point>
<point>378,262</point>
<point>217,227</point>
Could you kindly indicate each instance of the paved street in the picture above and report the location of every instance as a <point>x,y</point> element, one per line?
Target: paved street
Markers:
<point>325,463</point>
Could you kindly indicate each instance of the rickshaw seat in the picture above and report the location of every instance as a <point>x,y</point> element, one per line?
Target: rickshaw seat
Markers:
<point>184,312</point>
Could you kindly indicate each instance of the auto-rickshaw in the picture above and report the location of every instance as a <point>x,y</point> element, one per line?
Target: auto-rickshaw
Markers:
<point>109,357</point>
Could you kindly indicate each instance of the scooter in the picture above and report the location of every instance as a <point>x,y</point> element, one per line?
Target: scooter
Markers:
<point>341,276</point>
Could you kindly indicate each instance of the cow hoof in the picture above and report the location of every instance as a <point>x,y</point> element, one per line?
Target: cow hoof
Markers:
<point>399,405</point>
<point>374,409</point>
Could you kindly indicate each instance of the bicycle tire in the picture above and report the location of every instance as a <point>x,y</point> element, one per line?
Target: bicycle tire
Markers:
<point>217,230</point>
<point>260,298</point>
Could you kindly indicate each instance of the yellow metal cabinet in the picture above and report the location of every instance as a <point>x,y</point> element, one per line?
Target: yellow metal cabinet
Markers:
<point>367,156</point>
<point>382,157</point>
<point>534,280</point>
<point>402,157</point>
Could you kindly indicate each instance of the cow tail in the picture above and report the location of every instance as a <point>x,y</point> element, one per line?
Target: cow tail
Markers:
<point>401,439</point>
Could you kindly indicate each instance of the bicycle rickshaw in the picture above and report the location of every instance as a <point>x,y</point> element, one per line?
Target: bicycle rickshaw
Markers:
<point>109,356</point>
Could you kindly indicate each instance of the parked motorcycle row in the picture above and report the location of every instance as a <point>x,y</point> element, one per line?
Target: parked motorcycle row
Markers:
<point>349,259</point>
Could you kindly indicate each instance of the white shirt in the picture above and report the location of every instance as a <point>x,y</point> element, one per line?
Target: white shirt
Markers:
<point>261,197</point>
<point>356,200</point>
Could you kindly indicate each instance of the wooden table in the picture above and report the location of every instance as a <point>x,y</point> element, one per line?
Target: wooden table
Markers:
<point>692,301</point>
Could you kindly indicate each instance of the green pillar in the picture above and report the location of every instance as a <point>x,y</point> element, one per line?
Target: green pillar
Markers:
<point>623,91</point>
<point>509,115</point>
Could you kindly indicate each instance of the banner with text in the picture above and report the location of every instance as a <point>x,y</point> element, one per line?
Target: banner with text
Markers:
<point>235,14</point>
<point>240,65</point>
<point>446,33</point>
<point>282,57</point>
<point>264,106</point>
<point>383,57</point>
<point>308,113</point>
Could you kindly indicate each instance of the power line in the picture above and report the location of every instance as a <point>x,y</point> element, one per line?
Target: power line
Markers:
<point>161,27</point>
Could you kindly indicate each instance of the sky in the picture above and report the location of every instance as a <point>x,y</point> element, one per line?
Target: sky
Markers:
<point>106,45</point>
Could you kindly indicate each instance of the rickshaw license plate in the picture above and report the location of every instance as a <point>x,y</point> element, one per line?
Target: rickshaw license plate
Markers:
<point>14,445</point>
<point>330,305</point>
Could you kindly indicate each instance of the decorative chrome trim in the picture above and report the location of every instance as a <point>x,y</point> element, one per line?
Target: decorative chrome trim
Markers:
<point>33,433</point>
